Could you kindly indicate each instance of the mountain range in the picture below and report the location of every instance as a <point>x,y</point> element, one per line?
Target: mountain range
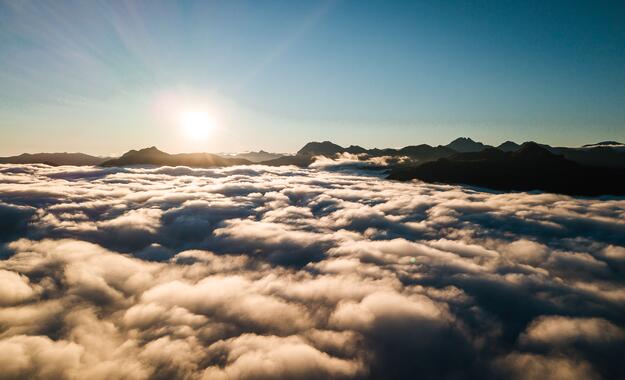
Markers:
<point>54,159</point>
<point>531,167</point>
<point>606,153</point>
<point>153,156</point>
<point>418,152</point>
<point>256,157</point>
<point>466,145</point>
<point>592,169</point>
<point>603,154</point>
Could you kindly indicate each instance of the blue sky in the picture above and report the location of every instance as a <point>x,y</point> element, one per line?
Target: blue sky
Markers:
<point>105,77</point>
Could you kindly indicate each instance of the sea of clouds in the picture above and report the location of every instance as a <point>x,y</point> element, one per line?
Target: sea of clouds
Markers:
<point>284,273</point>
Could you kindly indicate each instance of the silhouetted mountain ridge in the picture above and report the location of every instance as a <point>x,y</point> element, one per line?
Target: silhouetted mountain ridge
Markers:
<point>603,143</point>
<point>531,167</point>
<point>355,149</point>
<point>324,148</point>
<point>603,154</point>
<point>599,155</point>
<point>466,145</point>
<point>54,159</point>
<point>154,156</point>
<point>255,157</point>
<point>330,149</point>
<point>508,146</point>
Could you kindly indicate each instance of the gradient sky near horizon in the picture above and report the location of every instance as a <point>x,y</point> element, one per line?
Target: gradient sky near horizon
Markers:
<point>105,77</point>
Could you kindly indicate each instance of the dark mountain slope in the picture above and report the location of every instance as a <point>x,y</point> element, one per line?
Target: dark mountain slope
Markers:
<point>465,144</point>
<point>603,154</point>
<point>604,143</point>
<point>598,156</point>
<point>509,146</point>
<point>297,160</point>
<point>426,152</point>
<point>532,167</point>
<point>355,149</point>
<point>325,148</point>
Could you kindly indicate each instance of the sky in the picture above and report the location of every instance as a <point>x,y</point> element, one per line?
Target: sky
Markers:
<point>223,76</point>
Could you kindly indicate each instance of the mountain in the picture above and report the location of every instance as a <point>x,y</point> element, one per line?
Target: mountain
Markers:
<point>355,149</point>
<point>596,156</point>
<point>604,143</point>
<point>605,153</point>
<point>153,156</point>
<point>255,157</point>
<point>297,160</point>
<point>465,144</point>
<point>426,152</point>
<point>509,146</point>
<point>419,152</point>
<point>54,159</point>
<point>325,148</point>
<point>532,167</point>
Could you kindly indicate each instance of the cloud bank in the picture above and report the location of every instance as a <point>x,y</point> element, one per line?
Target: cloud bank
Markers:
<point>278,272</point>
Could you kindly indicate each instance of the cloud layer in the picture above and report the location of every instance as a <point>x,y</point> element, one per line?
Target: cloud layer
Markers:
<point>278,272</point>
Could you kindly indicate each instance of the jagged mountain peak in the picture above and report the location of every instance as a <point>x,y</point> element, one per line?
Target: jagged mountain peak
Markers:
<point>466,145</point>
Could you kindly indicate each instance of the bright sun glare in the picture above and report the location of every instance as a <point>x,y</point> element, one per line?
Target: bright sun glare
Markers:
<point>196,124</point>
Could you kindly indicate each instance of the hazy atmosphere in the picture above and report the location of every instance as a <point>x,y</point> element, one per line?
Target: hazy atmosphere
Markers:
<point>256,190</point>
<point>107,76</point>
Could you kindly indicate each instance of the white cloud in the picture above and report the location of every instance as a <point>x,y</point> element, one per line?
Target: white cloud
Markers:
<point>264,272</point>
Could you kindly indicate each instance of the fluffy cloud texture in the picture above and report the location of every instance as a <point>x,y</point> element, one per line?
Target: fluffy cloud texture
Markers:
<point>284,273</point>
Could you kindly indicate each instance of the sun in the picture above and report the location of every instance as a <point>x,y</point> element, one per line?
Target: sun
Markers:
<point>196,125</point>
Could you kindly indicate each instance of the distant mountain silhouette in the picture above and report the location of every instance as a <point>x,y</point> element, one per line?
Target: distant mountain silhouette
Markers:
<point>325,148</point>
<point>297,160</point>
<point>465,145</point>
<point>426,152</point>
<point>509,146</point>
<point>256,157</point>
<point>153,156</point>
<point>603,154</point>
<point>589,170</point>
<point>597,156</point>
<point>305,156</point>
<point>54,159</point>
<point>603,143</point>
<point>532,167</point>
<point>418,152</point>
<point>355,149</point>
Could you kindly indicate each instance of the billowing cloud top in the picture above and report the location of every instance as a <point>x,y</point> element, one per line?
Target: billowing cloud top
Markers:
<point>262,272</point>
